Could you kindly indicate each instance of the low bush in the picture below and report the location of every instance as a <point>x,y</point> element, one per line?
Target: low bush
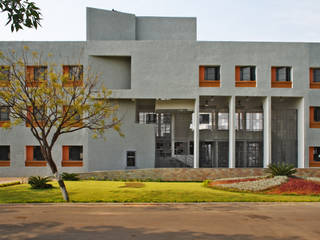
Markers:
<point>38,182</point>
<point>298,186</point>
<point>282,169</point>
<point>70,176</point>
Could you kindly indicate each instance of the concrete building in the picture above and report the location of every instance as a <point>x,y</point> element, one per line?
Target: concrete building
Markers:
<point>185,103</point>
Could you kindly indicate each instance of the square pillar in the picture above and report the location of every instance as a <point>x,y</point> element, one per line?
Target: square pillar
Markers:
<point>232,133</point>
<point>267,132</point>
<point>301,133</point>
<point>196,133</point>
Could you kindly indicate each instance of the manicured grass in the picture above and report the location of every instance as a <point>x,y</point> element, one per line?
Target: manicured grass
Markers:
<point>108,191</point>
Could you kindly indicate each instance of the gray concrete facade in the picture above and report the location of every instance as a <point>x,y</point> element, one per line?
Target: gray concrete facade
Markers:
<point>159,58</point>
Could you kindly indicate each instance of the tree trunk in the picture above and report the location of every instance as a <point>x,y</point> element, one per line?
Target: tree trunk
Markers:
<point>57,176</point>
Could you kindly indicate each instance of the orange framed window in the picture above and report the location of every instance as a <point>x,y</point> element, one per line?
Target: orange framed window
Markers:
<point>39,115</point>
<point>281,77</point>
<point>4,116</point>
<point>4,76</point>
<point>72,156</point>
<point>245,76</point>
<point>4,156</point>
<point>314,117</point>
<point>314,156</point>
<point>314,76</point>
<point>74,75</point>
<point>34,157</point>
<point>209,76</point>
<point>35,75</point>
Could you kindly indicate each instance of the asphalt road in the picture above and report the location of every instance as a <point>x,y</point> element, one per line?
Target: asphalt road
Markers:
<point>218,221</point>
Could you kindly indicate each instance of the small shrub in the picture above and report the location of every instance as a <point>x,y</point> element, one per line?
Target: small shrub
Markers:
<point>38,182</point>
<point>70,176</point>
<point>282,169</point>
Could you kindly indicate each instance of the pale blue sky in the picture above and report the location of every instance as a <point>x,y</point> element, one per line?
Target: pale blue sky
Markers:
<point>217,20</point>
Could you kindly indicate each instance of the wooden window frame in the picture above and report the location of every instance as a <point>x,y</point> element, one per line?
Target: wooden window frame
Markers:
<point>30,162</point>
<point>313,124</point>
<point>5,83</point>
<point>70,82</point>
<point>313,163</point>
<point>313,85</point>
<point>207,83</point>
<point>277,84</point>
<point>30,81</point>
<point>2,123</point>
<point>5,163</point>
<point>41,123</point>
<point>65,158</point>
<point>241,83</point>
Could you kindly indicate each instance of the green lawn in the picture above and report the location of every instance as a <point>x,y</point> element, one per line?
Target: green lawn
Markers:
<point>108,191</point>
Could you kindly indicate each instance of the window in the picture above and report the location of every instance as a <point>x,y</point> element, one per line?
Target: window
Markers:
<point>4,114</point>
<point>4,156</point>
<point>131,158</point>
<point>245,76</point>
<point>205,121</point>
<point>75,153</point>
<point>281,77</point>
<point>314,76</point>
<point>37,155</point>
<point>36,114</point>
<point>147,118</point>
<point>191,148</point>
<point>212,73</point>
<point>239,121</point>
<point>314,156</point>
<point>72,156</point>
<point>34,157</point>
<point>254,121</point>
<point>35,75</point>
<point>314,116</point>
<point>4,75</point>
<point>209,76</point>
<point>223,121</point>
<point>180,148</point>
<point>74,74</point>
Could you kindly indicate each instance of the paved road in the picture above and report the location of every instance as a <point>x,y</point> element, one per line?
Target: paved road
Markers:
<point>218,221</point>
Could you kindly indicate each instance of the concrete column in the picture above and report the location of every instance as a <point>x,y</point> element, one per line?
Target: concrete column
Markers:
<point>266,131</point>
<point>232,132</point>
<point>196,133</point>
<point>173,118</point>
<point>301,133</point>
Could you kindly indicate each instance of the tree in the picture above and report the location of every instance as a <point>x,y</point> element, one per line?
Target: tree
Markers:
<point>21,13</point>
<point>52,103</point>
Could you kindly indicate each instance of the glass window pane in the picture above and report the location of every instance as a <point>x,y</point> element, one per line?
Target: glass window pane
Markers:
<point>4,73</point>
<point>317,114</point>
<point>245,74</point>
<point>223,121</point>
<point>4,114</point>
<point>75,153</point>
<point>37,155</point>
<point>316,75</point>
<point>4,153</point>
<point>211,73</point>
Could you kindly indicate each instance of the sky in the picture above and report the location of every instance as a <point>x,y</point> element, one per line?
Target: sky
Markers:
<point>217,20</point>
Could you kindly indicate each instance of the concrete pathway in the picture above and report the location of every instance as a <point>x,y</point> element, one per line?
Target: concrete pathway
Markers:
<point>12,179</point>
<point>214,221</point>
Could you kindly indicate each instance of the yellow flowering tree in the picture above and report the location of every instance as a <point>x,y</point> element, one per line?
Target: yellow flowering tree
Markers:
<point>53,102</point>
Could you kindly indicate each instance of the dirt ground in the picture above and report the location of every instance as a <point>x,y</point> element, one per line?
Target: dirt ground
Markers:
<point>218,221</point>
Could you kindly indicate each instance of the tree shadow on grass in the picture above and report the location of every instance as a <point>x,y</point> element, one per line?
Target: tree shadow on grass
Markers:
<point>56,231</point>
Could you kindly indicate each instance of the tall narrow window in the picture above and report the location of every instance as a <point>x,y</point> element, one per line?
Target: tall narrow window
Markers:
<point>314,156</point>
<point>209,76</point>
<point>74,73</point>
<point>4,156</point>
<point>131,158</point>
<point>223,121</point>
<point>37,155</point>
<point>4,114</point>
<point>314,116</point>
<point>314,75</point>
<point>36,75</point>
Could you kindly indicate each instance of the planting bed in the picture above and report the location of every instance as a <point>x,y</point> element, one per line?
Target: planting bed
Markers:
<point>270,185</point>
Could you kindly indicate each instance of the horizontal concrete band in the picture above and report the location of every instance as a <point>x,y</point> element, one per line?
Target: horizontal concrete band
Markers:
<point>185,174</point>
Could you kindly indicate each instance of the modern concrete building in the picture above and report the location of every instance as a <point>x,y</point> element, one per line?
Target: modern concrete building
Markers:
<point>185,103</point>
